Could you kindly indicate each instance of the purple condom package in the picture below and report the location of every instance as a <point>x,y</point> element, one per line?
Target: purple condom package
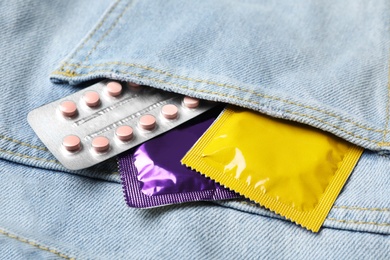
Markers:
<point>152,174</point>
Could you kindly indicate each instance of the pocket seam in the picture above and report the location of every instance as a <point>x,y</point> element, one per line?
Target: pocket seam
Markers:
<point>339,220</point>
<point>74,74</point>
<point>331,219</point>
<point>42,148</point>
<point>54,161</point>
<point>35,244</point>
<point>385,131</point>
<point>361,209</point>
<point>29,157</point>
<point>379,143</point>
<point>348,221</point>
<point>107,32</point>
<point>336,207</point>
<point>100,24</point>
<point>43,159</point>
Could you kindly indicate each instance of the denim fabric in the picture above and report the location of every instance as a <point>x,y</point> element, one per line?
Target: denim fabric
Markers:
<point>87,219</point>
<point>14,249</point>
<point>317,62</point>
<point>327,60</point>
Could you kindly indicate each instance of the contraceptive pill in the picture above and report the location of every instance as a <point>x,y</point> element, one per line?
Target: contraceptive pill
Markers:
<point>124,133</point>
<point>132,84</point>
<point>169,111</point>
<point>191,102</point>
<point>100,144</point>
<point>114,88</point>
<point>147,122</point>
<point>91,98</point>
<point>71,143</point>
<point>109,118</point>
<point>68,108</point>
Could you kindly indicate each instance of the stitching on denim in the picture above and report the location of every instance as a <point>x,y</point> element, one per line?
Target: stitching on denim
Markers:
<point>29,157</point>
<point>108,31</point>
<point>336,207</point>
<point>100,24</point>
<point>42,148</point>
<point>35,244</point>
<point>43,159</point>
<point>245,100</point>
<point>362,209</point>
<point>347,221</point>
<point>343,220</point>
<point>253,102</point>
<point>220,85</point>
<point>334,126</point>
<point>385,131</point>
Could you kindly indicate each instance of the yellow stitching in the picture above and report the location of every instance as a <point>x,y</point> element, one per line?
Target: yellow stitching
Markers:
<point>253,102</point>
<point>250,101</point>
<point>385,131</point>
<point>343,220</point>
<point>217,84</point>
<point>65,73</point>
<point>108,31</point>
<point>22,143</point>
<point>326,123</point>
<point>229,86</point>
<point>92,33</point>
<point>36,245</point>
<point>336,207</point>
<point>363,209</point>
<point>29,157</point>
<point>359,222</point>
<point>45,160</point>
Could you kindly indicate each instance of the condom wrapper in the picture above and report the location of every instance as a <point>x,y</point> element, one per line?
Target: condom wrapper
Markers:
<point>152,174</point>
<point>292,169</point>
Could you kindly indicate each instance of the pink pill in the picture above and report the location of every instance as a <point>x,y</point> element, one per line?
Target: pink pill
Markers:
<point>91,98</point>
<point>72,143</point>
<point>124,133</point>
<point>191,102</point>
<point>101,144</point>
<point>134,85</point>
<point>169,111</point>
<point>114,88</point>
<point>68,108</point>
<point>147,122</point>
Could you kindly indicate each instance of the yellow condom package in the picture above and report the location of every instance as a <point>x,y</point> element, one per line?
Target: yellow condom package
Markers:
<point>292,169</point>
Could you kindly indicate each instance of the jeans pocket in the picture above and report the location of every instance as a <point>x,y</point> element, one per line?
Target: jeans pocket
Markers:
<point>322,65</point>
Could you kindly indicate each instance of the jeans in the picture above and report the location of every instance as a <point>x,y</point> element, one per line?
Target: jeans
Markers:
<point>323,63</point>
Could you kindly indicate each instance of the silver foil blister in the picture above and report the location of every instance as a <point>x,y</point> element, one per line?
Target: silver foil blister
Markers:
<point>52,126</point>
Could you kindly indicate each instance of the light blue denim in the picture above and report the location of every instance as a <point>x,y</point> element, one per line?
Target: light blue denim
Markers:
<point>323,63</point>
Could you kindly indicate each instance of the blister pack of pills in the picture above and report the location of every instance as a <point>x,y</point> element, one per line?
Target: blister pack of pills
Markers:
<point>108,118</point>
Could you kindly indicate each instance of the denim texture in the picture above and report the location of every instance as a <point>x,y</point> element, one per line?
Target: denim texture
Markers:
<point>327,60</point>
<point>316,62</point>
